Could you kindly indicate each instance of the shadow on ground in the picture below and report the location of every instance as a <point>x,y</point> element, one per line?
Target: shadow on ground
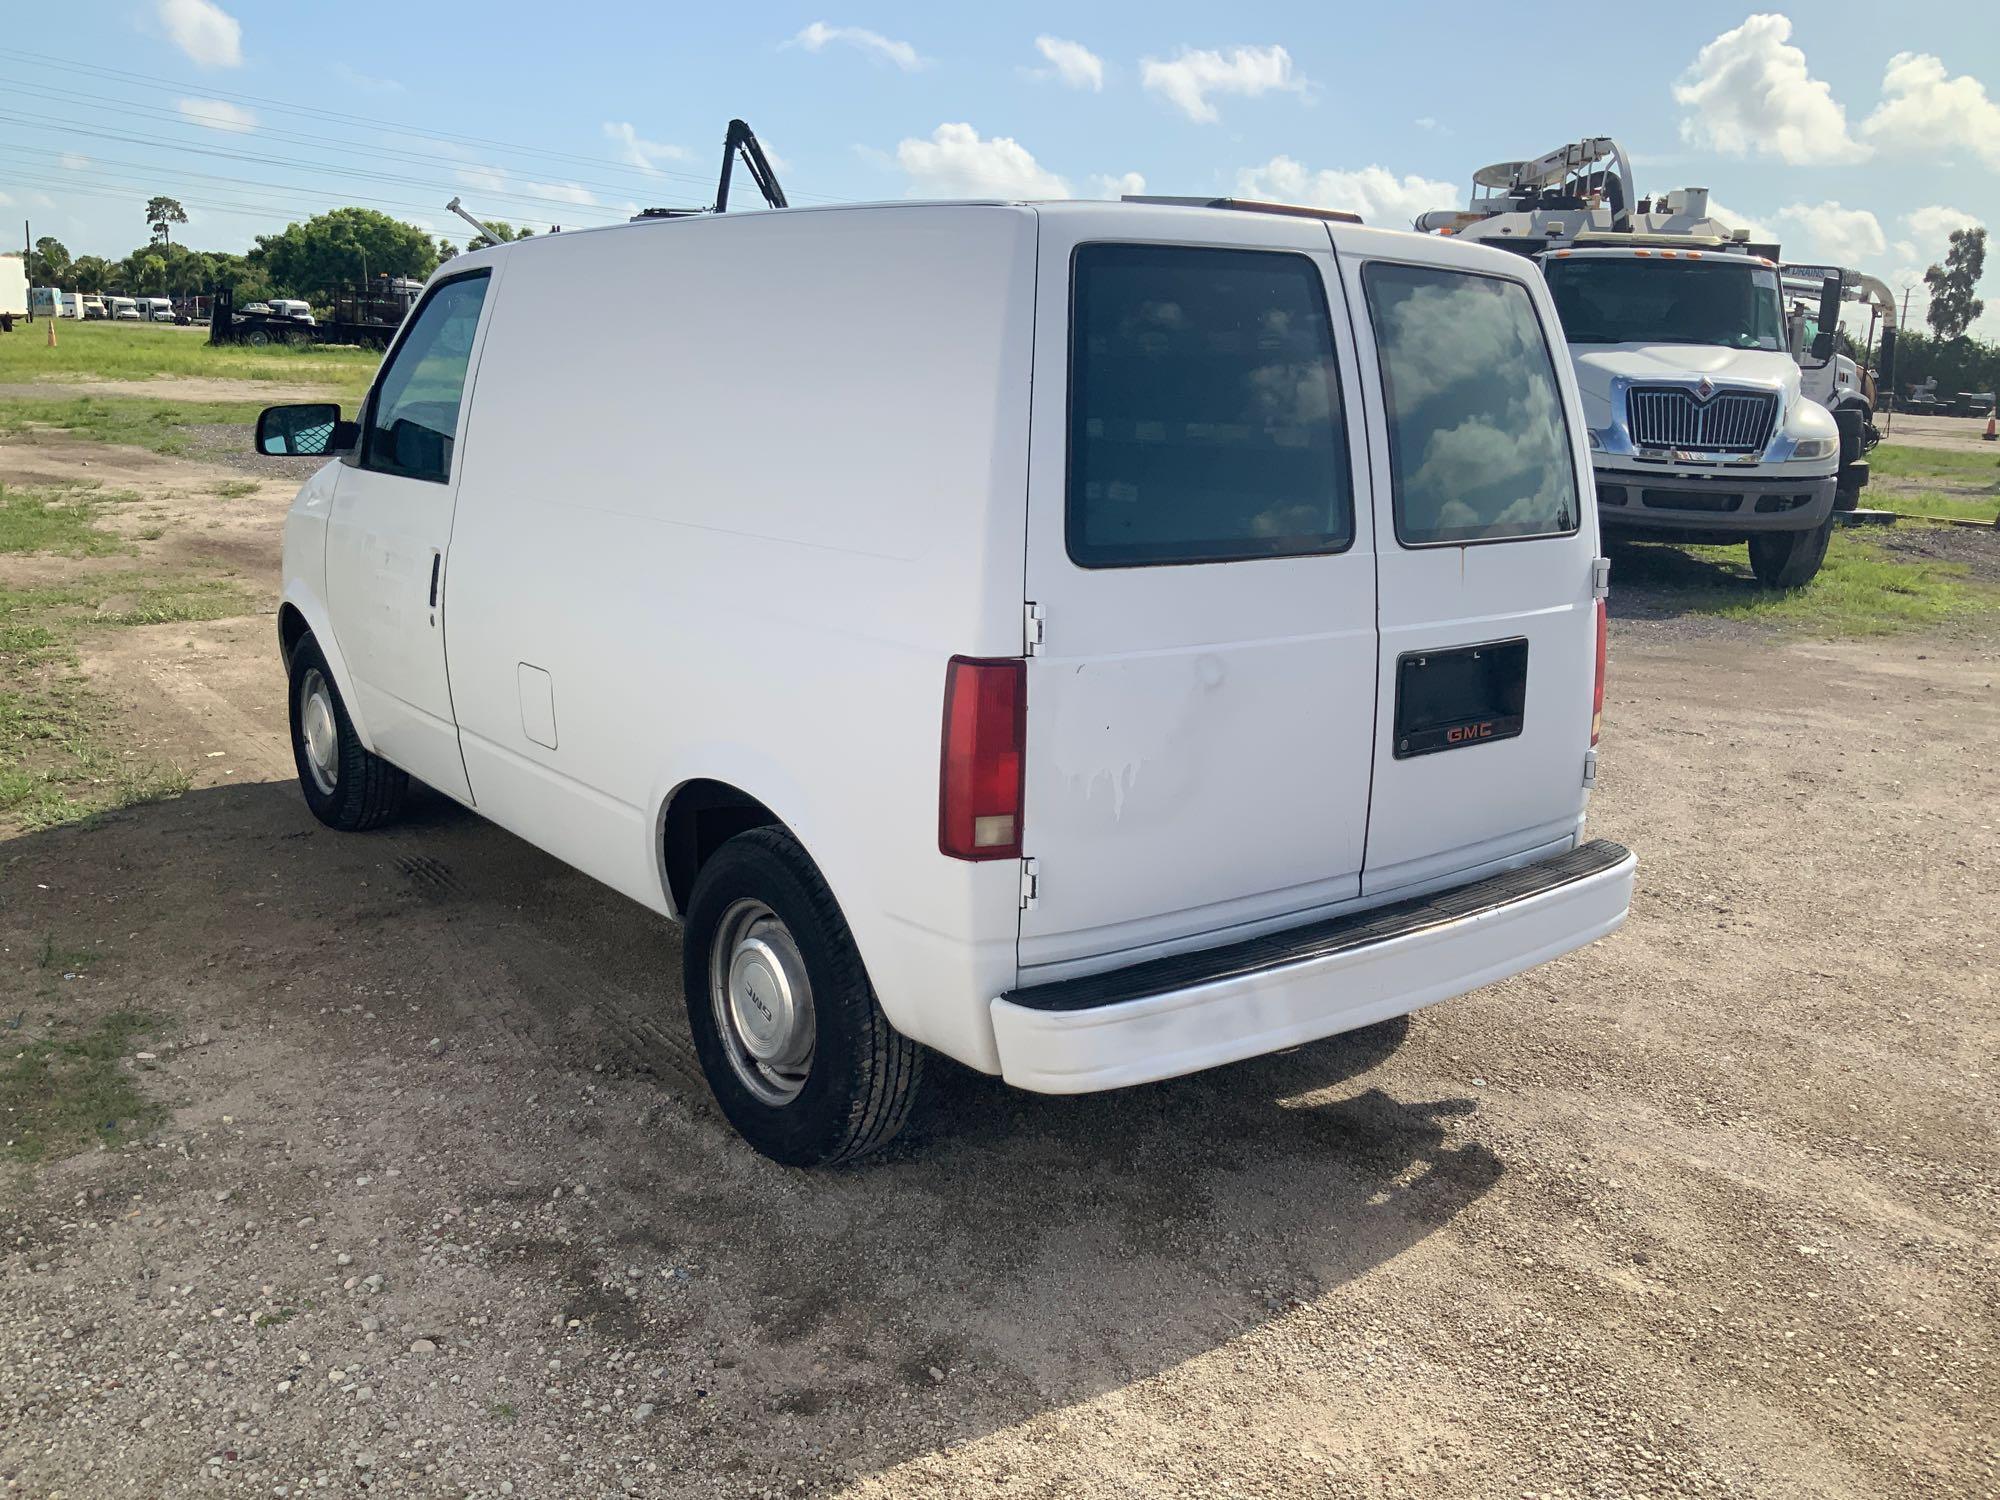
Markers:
<point>1031,1251</point>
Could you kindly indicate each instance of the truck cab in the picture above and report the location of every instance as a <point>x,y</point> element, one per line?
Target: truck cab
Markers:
<point>1699,423</point>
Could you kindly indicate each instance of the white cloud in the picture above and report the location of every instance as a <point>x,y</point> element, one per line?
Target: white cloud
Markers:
<point>1430,122</point>
<point>366,82</point>
<point>501,182</point>
<point>1189,80</point>
<point>218,114</point>
<point>1750,92</point>
<point>1762,233</point>
<point>1106,186</point>
<point>638,152</point>
<point>1072,62</point>
<point>1930,228</point>
<point>1375,193</point>
<point>1841,236</point>
<point>1928,110</point>
<point>816,38</point>
<point>206,32</point>
<point>956,163</point>
<point>74,161</point>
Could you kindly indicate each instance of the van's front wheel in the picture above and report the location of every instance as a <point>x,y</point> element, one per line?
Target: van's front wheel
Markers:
<point>794,1045</point>
<point>1789,559</point>
<point>346,786</point>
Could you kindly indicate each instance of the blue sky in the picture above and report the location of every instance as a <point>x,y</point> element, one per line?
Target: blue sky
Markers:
<point>1850,136</point>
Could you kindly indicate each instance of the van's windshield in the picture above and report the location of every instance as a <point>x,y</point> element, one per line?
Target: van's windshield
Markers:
<point>1621,299</point>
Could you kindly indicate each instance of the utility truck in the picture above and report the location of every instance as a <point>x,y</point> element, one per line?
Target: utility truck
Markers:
<point>1705,423</point>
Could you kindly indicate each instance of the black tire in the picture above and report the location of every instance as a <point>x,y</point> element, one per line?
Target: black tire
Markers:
<point>257,338</point>
<point>1789,559</point>
<point>862,1077</point>
<point>366,790</point>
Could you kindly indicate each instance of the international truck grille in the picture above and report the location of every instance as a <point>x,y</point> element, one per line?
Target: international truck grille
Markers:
<point>1669,416</point>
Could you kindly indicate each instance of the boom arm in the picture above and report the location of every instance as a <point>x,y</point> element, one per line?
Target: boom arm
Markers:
<point>742,140</point>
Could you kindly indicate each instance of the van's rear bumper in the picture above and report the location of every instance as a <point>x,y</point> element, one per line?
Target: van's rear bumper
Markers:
<point>1177,1015</point>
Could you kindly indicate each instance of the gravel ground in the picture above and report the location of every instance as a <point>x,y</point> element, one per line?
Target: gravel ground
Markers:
<point>440,1206</point>
<point>228,444</point>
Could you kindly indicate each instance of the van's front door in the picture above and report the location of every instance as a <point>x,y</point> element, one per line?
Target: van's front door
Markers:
<point>390,532</point>
<point>1201,708</point>
<point>1488,538</point>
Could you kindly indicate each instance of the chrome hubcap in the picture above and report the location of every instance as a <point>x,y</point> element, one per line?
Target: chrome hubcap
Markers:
<point>762,1001</point>
<point>320,731</point>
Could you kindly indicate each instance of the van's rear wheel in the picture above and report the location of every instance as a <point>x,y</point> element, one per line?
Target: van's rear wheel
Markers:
<point>794,1045</point>
<point>346,786</point>
<point>1789,559</point>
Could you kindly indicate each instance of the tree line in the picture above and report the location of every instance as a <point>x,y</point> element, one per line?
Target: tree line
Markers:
<point>310,260</point>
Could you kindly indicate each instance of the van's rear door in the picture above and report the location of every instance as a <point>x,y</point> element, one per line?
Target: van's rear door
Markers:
<point>1488,528</point>
<point>1201,706</point>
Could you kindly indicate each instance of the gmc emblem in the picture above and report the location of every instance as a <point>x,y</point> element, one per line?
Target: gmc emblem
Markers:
<point>1465,733</point>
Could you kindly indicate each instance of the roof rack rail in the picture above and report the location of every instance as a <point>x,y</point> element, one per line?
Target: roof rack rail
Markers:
<point>1248,205</point>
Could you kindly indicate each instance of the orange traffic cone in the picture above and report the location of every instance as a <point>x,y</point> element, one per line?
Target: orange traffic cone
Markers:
<point>1991,434</point>
<point>52,333</point>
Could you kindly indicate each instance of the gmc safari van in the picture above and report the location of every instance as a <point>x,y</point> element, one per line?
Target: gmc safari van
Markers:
<point>1093,641</point>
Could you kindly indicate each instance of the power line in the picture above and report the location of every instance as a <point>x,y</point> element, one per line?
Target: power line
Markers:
<point>160,83</point>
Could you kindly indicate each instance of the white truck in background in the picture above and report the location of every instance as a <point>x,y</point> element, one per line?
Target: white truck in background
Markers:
<point>1705,424</point>
<point>13,286</point>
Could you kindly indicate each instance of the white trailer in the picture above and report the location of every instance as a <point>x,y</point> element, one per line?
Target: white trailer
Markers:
<point>13,285</point>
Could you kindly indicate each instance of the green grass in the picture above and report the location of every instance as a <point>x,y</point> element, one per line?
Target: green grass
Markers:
<point>1953,483</point>
<point>140,421</point>
<point>1863,589</point>
<point>55,763</point>
<point>57,518</point>
<point>139,352</point>
<point>234,489</point>
<point>63,1090</point>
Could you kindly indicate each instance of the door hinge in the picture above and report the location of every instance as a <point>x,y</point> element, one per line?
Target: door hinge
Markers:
<point>1031,628</point>
<point>1589,769</point>
<point>1600,578</point>
<point>1030,883</point>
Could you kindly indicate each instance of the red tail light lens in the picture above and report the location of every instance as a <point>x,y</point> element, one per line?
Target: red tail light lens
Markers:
<point>979,787</point>
<point>1597,693</point>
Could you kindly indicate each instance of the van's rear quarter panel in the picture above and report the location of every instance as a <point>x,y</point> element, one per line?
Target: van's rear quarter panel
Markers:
<point>743,518</point>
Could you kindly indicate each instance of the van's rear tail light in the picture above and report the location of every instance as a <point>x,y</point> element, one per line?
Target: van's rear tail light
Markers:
<point>1597,692</point>
<point>979,787</point>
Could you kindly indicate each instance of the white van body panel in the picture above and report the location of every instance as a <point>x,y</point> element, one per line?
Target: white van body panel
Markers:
<point>1173,706</point>
<point>1438,815</point>
<point>809,447</point>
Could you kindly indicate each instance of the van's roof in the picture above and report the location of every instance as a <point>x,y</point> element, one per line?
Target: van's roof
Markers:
<point>1404,244</point>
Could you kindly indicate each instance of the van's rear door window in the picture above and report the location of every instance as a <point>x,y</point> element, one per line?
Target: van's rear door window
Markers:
<point>1205,409</point>
<point>1478,446</point>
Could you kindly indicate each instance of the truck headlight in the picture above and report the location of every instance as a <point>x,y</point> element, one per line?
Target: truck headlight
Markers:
<point>1818,447</point>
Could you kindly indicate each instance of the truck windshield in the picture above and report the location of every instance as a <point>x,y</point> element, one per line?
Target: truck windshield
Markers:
<point>1626,300</point>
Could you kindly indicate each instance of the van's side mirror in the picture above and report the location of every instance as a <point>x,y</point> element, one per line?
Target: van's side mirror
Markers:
<point>1829,319</point>
<point>305,431</point>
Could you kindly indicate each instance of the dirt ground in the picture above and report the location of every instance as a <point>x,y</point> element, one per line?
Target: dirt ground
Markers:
<point>442,1207</point>
<point>1936,432</point>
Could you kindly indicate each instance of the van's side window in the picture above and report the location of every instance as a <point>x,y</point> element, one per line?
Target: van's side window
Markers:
<point>1478,447</point>
<point>414,418</point>
<point>1205,420</point>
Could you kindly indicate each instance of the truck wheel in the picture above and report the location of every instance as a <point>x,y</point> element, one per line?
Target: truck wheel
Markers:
<point>1789,559</point>
<point>256,338</point>
<point>795,1047</point>
<point>346,786</point>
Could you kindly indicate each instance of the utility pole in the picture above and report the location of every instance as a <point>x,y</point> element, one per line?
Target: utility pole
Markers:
<point>28,263</point>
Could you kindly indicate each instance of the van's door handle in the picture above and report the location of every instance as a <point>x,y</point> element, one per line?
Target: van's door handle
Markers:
<point>437,560</point>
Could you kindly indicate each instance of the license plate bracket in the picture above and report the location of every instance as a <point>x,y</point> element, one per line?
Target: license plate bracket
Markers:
<point>1460,696</point>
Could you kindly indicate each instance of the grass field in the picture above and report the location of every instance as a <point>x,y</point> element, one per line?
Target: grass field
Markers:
<point>141,421</point>
<point>1864,589</point>
<point>1944,482</point>
<point>146,351</point>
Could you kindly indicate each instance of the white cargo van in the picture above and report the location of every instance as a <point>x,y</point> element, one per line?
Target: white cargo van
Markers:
<point>1094,641</point>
